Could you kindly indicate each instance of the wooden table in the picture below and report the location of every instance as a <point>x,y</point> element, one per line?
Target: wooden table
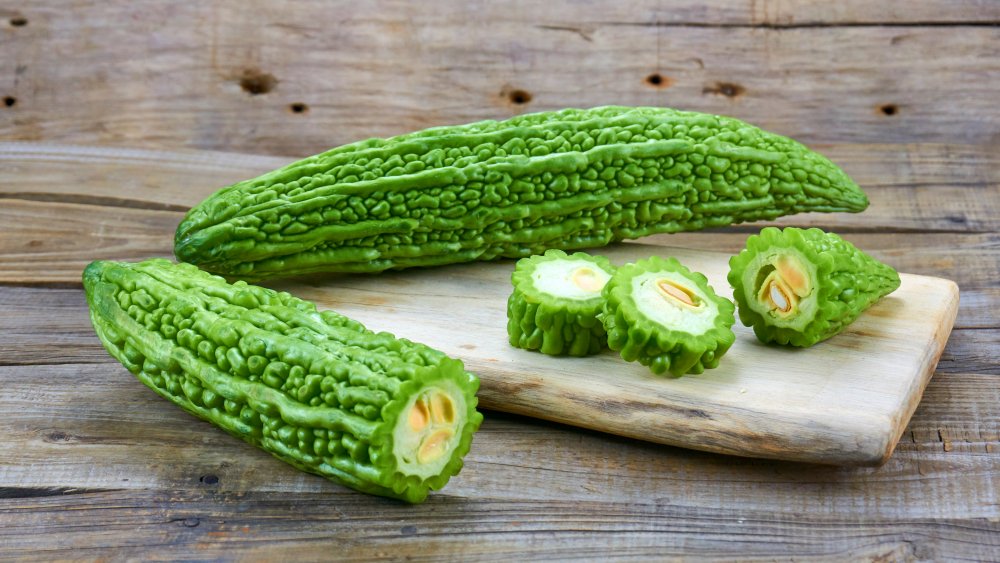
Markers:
<point>118,115</point>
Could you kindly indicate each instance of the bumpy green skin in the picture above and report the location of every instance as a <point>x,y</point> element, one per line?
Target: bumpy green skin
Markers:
<point>845,283</point>
<point>537,320</point>
<point>664,349</point>
<point>317,390</point>
<point>569,179</point>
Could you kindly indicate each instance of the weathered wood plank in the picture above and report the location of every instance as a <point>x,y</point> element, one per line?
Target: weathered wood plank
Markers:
<point>51,326</point>
<point>683,12</point>
<point>122,177</point>
<point>67,418</point>
<point>925,187</point>
<point>53,242</point>
<point>229,75</point>
<point>207,525</point>
<point>46,242</point>
<point>46,326</point>
<point>65,421</point>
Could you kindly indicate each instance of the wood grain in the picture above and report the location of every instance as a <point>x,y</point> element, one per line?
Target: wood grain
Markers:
<point>210,525</point>
<point>190,479</point>
<point>226,75</point>
<point>64,205</point>
<point>45,242</point>
<point>925,187</point>
<point>902,94</point>
<point>154,445</point>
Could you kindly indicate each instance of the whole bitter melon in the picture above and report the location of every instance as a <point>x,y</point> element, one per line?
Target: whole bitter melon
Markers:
<point>801,286</point>
<point>569,179</point>
<point>379,414</point>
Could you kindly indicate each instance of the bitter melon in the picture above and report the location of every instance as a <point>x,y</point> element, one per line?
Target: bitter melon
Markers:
<point>379,414</point>
<point>569,179</point>
<point>802,286</point>
<point>555,302</point>
<point>666,317</point>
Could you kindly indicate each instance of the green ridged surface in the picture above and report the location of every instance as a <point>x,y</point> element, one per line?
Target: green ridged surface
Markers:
<point>845,281</point>
<point>551,324</point>
<point>315,389</point>
<point>675,348</point>
<point>569,179</point>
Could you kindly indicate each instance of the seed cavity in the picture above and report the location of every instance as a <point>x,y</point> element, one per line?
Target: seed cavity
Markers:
<point>587,280</point>
<point>793,275</point>
<point>775,294</point>
<point>430,427</point>
<point>781,284</point>
<point>677,294</point>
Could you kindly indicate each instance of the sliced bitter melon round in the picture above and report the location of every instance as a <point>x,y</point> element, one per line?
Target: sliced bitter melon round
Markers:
<point>664,316</point>
<point>802,286</point>
<point>555,303</point>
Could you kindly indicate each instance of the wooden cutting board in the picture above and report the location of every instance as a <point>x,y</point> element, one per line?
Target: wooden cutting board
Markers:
<point>844,401</point>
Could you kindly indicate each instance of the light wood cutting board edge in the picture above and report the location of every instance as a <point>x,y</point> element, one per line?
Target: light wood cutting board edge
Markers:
<point>421,305</point>
<point>816,443</point>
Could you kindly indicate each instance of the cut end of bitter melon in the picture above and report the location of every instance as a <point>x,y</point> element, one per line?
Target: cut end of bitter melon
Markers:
<point>801,286</point>
<point>780,285</point>
<point>555,302</point>
<point>664,316</point>
<point>429,430</point>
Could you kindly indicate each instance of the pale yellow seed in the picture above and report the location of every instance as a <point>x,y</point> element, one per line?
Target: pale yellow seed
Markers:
<point>418,416</point>
<point>680,293</point>
<point>433,446</point>
<point>791,273</point>
<point>587,280</point>
<point>442,409</point>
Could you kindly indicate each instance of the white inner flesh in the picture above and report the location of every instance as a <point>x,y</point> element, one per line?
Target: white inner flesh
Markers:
<point>668,311</point>
<point>413,435</point>
<point>570,279</point>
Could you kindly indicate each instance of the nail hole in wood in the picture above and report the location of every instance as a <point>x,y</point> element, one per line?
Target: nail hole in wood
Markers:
<point>298,107</point>
<point>255,82</point>
<point>18,22</point>
<point>519,97</point>
<point>657,80</point>
<point>889,109</point>
<point>209,479</point>
<point>727,89</point>
<point>9,101</point>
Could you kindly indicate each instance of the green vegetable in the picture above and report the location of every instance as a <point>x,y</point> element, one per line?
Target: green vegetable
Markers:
<point>381,415</point>
<point>799,287</point>
<point>569,179</point>
<point>555,303</point>
<point>664,316</point>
